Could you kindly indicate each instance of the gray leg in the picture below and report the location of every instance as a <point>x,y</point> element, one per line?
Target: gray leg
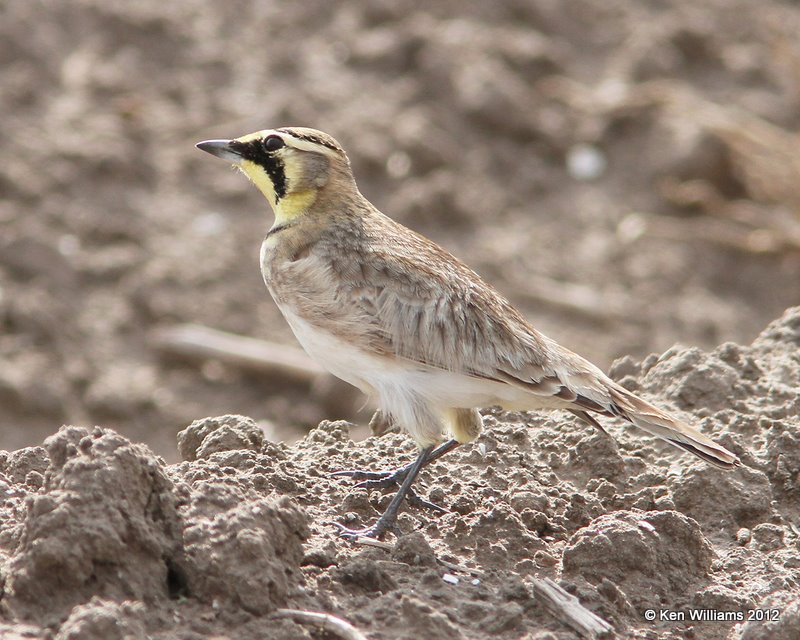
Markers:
<point>387,521</point>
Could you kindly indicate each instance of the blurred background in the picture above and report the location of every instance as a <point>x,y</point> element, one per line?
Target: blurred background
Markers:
<point>626,172</point>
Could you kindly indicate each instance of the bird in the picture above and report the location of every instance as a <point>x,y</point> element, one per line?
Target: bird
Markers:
<point>394,314</point>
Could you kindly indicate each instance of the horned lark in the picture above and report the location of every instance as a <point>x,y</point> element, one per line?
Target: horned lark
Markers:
<point>394,314</point>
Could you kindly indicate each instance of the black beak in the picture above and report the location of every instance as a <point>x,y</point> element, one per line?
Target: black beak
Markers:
<point>220,148</point>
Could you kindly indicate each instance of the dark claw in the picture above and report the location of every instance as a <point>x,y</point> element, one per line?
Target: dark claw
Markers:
<point>376,531</point>
<point>363,475</point>
<point>414,500</point>
<point>374,479</point>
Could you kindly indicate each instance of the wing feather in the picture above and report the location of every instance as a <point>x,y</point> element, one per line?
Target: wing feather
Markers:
<point>415,301</point>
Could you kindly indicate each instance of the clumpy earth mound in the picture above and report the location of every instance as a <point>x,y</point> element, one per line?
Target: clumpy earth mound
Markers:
<point>100,538</point>
<point>103,522</point>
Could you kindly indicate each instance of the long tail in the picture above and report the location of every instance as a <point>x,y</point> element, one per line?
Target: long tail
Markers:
<point>653,420</point>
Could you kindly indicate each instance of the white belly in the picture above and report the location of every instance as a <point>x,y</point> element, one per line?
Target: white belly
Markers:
<point>352,365</point>
<point>396,381</point>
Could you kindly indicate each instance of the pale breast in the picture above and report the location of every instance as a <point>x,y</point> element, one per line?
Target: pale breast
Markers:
<point>267,257</point>
<point>304,291</point>
<point>339,356</point>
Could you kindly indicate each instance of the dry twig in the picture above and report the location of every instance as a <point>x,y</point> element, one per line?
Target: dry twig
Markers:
<point>196,342</point>
<point>568,609</point>
<point>326,621</point>
<point>372,542</point>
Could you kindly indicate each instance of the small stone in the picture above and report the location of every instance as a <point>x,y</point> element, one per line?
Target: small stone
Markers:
<point>586,162</point>
<point>644,524</point>
<point>544,559</point>
<point>743,536</point>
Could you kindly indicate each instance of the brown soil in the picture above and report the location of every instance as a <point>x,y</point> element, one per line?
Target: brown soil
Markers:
<point>101,539</point>
<point>467,122</point>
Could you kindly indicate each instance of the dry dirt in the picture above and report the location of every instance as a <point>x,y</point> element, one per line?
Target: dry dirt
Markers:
<point>626,172</point>
<point>101,539</point>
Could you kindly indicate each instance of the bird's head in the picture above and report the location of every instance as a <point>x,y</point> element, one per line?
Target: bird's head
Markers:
<point>290,166</point>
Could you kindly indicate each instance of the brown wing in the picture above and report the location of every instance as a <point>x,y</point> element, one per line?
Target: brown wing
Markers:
<point>416,301</point>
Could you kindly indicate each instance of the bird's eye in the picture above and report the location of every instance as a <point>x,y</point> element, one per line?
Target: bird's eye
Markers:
<point>273,143</point>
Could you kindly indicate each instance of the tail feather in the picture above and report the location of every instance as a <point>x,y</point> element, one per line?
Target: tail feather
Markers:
<point>653,420</point>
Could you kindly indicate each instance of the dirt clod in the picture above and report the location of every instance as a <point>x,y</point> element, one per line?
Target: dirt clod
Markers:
<point>209,435</point>
<point>104,524</point>
<point>414,549</point>
<point>248,556</point>
<point>654,554</point>
<point>104,620</point>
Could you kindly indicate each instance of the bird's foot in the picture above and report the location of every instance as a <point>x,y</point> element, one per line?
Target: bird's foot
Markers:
<point>375,532</point>
<point>387,522</point>
<point>375,479</point>
<point>385,479</point>
<point>404,477</point>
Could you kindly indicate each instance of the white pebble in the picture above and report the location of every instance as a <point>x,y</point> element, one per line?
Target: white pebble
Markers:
<point>644,524</point>
<point>449,578</point>
<point>586,162</point>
